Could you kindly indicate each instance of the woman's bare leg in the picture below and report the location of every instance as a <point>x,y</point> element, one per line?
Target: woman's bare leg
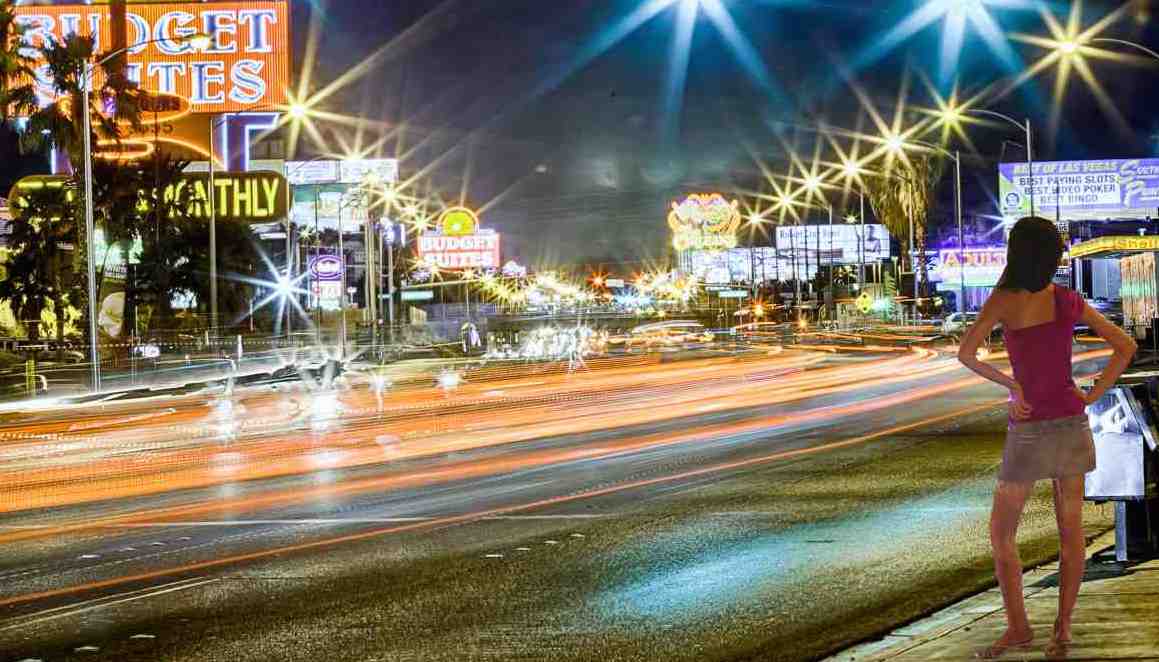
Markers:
<point>1068,511</point>
<point>1009,499</point>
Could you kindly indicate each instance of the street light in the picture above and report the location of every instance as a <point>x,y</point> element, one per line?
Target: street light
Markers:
<point>1022,126</point>
<point>1124,42</point>
<point>297,111</point>
<point>90,231</point>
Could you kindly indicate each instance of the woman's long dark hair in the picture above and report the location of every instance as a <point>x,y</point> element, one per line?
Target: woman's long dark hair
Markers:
<point>1033,254</point>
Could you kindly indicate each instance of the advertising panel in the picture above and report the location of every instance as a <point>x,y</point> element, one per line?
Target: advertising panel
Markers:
<point>246,63</point>
<point>312,172</point>
<point>1081,190</point>
<point>1139,290</point>
<point>836,244</point>
<point>704,221</point>
<point>477,251</point>
<point>248,197</point>
<point>357,171</point>
<point>980,267</point>
<point>459,243</point>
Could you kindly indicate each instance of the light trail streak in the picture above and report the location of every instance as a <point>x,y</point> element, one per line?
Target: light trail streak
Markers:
<point>490,467</point>
<point>444,522</point>
<point>78,471</point>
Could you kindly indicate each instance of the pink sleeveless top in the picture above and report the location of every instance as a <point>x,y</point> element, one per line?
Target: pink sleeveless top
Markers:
<point>1041,357</point>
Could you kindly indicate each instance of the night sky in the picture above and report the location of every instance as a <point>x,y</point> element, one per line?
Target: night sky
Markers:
<point>534,111</point>
<point>589,155</point>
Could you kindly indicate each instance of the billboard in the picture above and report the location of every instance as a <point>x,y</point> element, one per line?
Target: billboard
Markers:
<point>1081,190</point>
<point>247,197</point>
<point>346,171</point>
<point>459,243</point>
<point>978,267</point>
<point>704,220</point>
<point>245,65</point>
<point>477,251</point>
<point>835,244</point>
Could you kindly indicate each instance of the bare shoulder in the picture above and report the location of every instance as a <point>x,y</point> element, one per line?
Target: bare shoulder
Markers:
<point>1000,301</point>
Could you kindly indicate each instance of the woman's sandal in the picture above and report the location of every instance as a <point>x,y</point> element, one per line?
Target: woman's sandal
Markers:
<point>997,650</point>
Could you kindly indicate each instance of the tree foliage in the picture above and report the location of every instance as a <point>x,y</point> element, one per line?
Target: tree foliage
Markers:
<point>41,273</point>
<point>905,195</point>
<point>17,91</point>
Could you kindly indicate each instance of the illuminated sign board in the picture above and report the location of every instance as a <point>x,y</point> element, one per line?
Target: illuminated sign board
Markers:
<point>326,267</point>
<point>1107,246</point>
<point>980,267</point>
<point>477,251</point>
<point>458,243</point>
<point>458,222</point>
<point>1081,190</point>
<point>357,171</point>
<point>704,221</point>
<point>346,171</point>
<point>246,64</point>
<point>247,197</point>
<point>1139,290</point>
<point>418,295</point>
<point>835,244</point>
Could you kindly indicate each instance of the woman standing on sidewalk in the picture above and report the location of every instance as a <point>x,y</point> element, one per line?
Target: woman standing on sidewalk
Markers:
<point>1048,435</point>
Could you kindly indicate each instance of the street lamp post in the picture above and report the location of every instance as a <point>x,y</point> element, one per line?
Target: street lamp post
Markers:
<point>956,157</point>
<point>1022,126</point>
<point>90,231</point>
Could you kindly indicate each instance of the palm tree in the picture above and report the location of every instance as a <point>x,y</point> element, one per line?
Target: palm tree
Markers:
<point>39,276</point>
<point>17,78</point>
<point>903,196</point>
<point>59,122</point>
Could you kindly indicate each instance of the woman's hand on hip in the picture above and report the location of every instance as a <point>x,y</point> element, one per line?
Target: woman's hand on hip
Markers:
<point>1019,407</point>
<point>1087,398</point>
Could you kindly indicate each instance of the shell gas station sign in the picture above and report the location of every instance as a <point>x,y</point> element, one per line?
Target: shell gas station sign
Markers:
<point>246,63</point>
<point>459,242</point>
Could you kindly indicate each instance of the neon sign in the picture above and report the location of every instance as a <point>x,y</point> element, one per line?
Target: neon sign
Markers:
<point>458,222</point>
<point>979,267</point>
<point>704,221</point>
<point>246,64</point>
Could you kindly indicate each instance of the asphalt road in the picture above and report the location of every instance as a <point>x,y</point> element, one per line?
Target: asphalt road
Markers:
<point>770,506</point>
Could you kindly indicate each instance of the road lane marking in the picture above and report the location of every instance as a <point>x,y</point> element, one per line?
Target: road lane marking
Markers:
<point>291,522</point>
<point>105,601</point>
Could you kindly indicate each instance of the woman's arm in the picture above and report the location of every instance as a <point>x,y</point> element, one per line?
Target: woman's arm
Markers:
<point>1123,345</point>
<point>968,355</point>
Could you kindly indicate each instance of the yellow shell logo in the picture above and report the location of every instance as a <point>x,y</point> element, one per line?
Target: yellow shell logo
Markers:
<point>458,222</point>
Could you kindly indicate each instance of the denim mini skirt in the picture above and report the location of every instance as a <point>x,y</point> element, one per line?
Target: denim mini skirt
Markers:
<point>1053,448</point>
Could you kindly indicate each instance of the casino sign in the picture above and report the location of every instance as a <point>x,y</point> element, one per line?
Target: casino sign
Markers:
<point>704,221</point>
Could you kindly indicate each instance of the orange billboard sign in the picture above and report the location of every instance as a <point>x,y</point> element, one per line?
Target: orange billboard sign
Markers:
<point>245,65</point>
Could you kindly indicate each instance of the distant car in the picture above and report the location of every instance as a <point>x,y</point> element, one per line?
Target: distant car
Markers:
<point>761,330</point>
<point>669,334</point>
<point>956,324</point>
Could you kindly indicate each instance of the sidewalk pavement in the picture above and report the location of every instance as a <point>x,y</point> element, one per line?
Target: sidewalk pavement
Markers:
<point>1117,617</point>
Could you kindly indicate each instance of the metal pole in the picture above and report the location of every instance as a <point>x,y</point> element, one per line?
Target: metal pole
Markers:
<point>212,242</point>
<point>1030,164</point>
<point>342,294</point>
<point>832,294</point>
<point>961,235</point>
<point>90,232</point>
<point>390,282</point>
<point>289,279</point>
<point>861,264</point>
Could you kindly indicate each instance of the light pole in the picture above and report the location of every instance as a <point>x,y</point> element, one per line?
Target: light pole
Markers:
<point>296,111</point>
<point>198,40</point>
<point>1022,126</point>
